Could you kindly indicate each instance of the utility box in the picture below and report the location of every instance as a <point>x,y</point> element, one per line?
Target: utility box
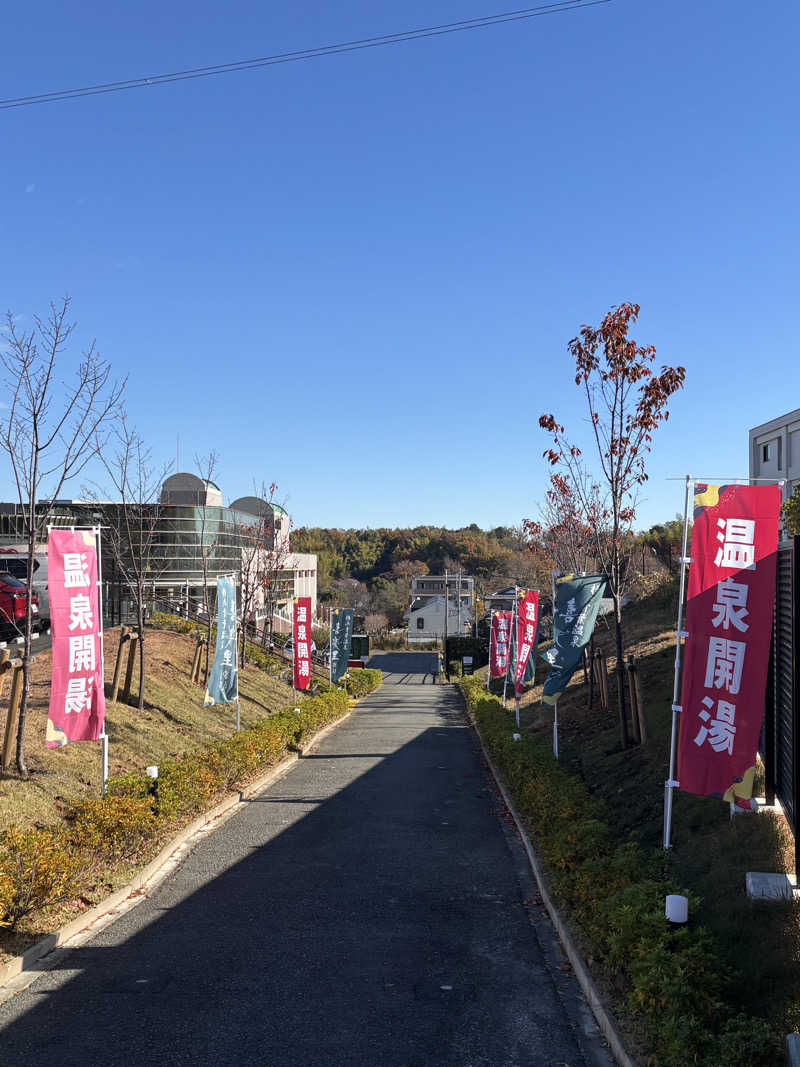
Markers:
<point>360,647</point>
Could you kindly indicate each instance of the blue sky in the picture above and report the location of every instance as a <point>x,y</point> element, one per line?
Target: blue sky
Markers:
<point>357,276</point>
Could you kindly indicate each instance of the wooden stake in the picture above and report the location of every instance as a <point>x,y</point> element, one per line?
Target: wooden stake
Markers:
<point>5,667</point>
<point>639,704</point>
<point>630,671</point>
<point>126,692</point>
<point>124,636</point>
<point>12,719</point>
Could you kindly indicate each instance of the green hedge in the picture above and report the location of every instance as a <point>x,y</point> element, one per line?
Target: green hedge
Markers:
<point>40,867</point>
<point>674,980</point>
<point>362,680</point>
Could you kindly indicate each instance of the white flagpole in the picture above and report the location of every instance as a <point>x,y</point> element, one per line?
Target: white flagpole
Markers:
<point>103,735</point>
<point>489,672</point>
<point>244,649</point>
<point>294,645</point>
<point>670,783</point>
<point>555,704</point>
<point>513,636</point>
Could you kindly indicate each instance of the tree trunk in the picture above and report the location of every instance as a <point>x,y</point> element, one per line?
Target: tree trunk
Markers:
<point>623,717</point>
<point>141,655</point>
<point>22,769</point>
<point>591,671</point>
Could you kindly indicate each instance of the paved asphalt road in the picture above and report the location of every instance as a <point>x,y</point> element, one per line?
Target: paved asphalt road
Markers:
<point>371,908</point>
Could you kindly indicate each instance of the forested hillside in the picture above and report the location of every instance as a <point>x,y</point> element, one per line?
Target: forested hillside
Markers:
<point>371,570</point>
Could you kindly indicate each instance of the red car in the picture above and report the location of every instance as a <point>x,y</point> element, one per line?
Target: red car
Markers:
<point>13,601</point>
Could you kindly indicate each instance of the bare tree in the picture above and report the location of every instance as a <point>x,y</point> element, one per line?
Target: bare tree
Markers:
<point>132,523</point>
<point>257,540</point>
<point>206,466</point>
<point>273,564</point>
<point>376,623</point>
<point>51,432</point>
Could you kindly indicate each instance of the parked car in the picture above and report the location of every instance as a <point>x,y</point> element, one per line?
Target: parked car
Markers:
<point>14,561</point>
<point>13,605</point>
<point>287,648</point>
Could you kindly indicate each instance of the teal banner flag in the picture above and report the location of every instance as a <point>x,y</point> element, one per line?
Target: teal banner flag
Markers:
<point>574,615</point>
<point>223,682</point>
<point>341,641</point>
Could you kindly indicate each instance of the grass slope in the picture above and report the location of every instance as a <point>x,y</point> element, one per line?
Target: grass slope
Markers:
<point>172,722</point>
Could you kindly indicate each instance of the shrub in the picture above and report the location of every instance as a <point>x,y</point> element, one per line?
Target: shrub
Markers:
<point>113,826</point>
<point>160,620</point>
<point>267,662</point>
<point>37,869</point>
<point>132,784</point>
<point>363,680</point>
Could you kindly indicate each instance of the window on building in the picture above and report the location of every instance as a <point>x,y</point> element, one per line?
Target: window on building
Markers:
<point>766,453</point>
<point>780,452</point>
<point>420,624</point>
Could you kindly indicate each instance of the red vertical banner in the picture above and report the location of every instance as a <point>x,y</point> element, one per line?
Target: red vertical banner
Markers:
<point>730,598</point>
<point>301,641</point>
<point>499,643</point>
<point>77,698</point>
<point>527,624</point>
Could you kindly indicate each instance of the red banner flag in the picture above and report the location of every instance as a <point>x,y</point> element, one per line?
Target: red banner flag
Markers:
<point>499,643</point>
<point>301,641</point>
<point>527,622</point>
<point>77,698</point>
<point>729,622</point>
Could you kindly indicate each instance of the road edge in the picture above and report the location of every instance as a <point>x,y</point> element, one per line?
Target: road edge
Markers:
<point>20,971</point>
<point>585,980</point>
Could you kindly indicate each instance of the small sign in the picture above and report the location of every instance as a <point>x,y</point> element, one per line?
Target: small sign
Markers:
<point>466,665</point>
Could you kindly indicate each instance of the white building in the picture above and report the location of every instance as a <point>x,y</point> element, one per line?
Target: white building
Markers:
<point>426,620</point>
<point>426,617</point>
<point>775,451</point>
<point>298,569</point>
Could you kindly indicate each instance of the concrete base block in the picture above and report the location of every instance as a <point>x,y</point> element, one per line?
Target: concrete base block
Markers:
<point>761,886</point>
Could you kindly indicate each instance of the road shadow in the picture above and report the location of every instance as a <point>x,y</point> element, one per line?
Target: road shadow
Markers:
<point>360,912</point>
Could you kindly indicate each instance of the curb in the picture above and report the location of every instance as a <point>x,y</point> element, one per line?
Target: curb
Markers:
<point>23,968</point>
<point>585,980</point>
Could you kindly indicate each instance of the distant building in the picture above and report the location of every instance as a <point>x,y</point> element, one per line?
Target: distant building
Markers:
<point>503,600</point>
<point>775,451</point>
<point>191,523</point>
<point>426,614</point>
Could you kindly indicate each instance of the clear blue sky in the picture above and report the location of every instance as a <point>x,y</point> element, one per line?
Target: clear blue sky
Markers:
<point>357,276</point>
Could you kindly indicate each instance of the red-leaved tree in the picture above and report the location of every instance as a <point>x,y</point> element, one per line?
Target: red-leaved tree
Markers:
<point>627,401</point>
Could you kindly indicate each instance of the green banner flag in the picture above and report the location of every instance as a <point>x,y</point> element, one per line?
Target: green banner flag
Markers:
<point>341,641</point>
<point>223,682</point>
<point>574,615</point>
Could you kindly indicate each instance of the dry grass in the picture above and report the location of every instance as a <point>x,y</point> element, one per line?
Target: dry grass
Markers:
<point>172,722</point>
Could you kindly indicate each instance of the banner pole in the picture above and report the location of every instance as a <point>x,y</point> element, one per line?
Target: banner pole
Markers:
<point>244,654</point>
<point>555,704</point>
<point>103,734</point>
<point>513,635</point>
<point>330,647</point>
<point>670,783</point>
<point>294,644</point>
<point>489,671</point>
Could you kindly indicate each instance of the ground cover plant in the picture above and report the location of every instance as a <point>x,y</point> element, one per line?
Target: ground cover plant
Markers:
<point>727,989</point>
